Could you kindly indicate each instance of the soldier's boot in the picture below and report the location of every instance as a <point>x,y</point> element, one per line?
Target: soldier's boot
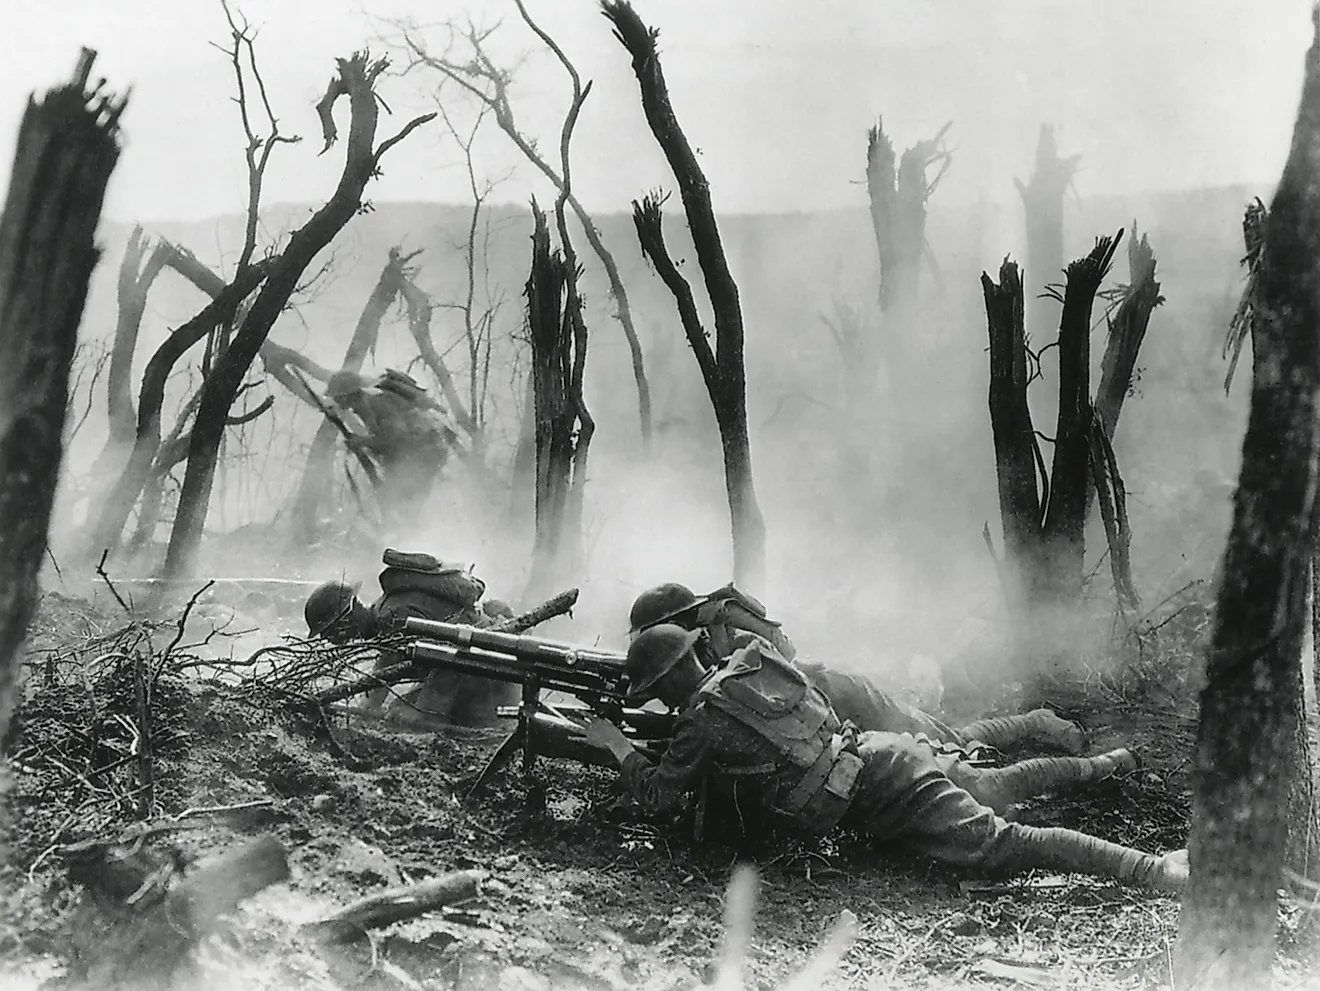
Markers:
<point>1067,850</point>
<point>1040,726</point>
<point>1000,787</point>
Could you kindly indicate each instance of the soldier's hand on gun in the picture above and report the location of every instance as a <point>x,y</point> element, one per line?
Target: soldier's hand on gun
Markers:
<point>600,732</point>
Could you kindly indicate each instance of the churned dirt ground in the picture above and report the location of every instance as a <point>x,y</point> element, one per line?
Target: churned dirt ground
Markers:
<point>579,891</point>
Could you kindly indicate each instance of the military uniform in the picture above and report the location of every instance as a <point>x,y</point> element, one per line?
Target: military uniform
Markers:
<point>731,620</point>
<point>760,724</point>
<point>419,586</point>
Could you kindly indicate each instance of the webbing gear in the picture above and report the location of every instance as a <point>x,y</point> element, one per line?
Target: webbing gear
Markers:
<point>773,699</point>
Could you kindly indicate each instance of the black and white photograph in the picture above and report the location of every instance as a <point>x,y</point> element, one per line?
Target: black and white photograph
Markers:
<point>660,495</point>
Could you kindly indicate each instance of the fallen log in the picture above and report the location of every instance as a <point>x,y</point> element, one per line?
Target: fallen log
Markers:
<point>395,905</point>
<point>153,926</point>
<point>408,671</point>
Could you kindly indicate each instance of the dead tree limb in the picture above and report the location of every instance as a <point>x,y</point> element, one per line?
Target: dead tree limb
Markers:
<point>67,148</point>
<point>1249,744</point>
<point>730,399</point>
<point>355,78</point>
<point>119,502</point>
<point>1244,317</point>
<point>550,331</point>
<point>1112,498</point>
<point>1127,331</point>
<point>135,281</point>
<point>899,197</point>
<point>384,908</point>
<point>489,84</point>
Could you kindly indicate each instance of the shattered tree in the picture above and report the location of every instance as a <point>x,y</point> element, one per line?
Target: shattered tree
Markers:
<point>722,369</point>
<point>1043,513</point>
<point>874,352</point>
<point>899,198</point>
<point>553,313</point>
<point>1042,200</point>
<point>1252,802</point>
<point>67,148</point>
<point>355,79</point>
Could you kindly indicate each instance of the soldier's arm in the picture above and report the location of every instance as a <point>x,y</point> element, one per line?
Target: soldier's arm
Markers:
<point>664,787</point>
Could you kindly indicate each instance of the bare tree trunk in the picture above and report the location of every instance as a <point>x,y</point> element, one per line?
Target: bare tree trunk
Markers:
<point>523,474</point>
<point>728,387</point>
<point>1042,199</point>
<point>1064,529</point>
<point>67,148</point>
<point>1017,454</point>
<point>549,330</point>
<point>1248,731</point>
<point>356,78</point>
<point>316,476</point>
<point>135,281</point>
<point>119,502</point>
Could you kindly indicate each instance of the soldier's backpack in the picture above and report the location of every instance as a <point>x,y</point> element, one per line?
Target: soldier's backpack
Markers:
<point>422,572</point>
<point>769,696</point>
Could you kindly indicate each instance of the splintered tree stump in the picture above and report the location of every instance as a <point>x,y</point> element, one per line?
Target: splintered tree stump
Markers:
<point>67,148</point>
<point>143,937</point>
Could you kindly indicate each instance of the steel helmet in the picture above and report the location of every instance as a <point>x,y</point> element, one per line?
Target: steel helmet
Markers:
<point>653,655</point>
<point>326,606</point>
<point>659,605</point>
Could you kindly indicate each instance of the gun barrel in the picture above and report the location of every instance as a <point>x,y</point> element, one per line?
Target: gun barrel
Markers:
<point>605,662</point>
<point>515,669</point>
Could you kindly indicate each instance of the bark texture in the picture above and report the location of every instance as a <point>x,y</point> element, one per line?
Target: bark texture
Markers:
<point>67,148</point>
<point>1251,702</point>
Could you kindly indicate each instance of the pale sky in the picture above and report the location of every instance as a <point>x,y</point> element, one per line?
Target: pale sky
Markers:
<point>777,94</point>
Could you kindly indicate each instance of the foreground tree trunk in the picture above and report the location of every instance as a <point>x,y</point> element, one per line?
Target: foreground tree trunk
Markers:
<point>355,79</point>
<point>724,372</point>
<point>1042,200</point>
<point>1248,733</point>
<point>67,148</point>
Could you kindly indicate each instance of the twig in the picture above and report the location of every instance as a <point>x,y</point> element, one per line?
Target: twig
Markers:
<point>182,625</point>
<point>100,570</point>
<point>146,769</point>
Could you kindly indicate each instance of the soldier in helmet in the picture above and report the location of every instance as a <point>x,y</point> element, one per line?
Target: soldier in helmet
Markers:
<point>401,428</point>
<point>417,585</point>
<point>788,759</point>
<point>729,619</point>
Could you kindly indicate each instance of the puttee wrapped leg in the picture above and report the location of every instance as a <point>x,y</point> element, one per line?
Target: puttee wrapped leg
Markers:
<point>1000,787</point>
<point>904,797</point>
<point>1039,726</point>
<point>1068,851</point>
